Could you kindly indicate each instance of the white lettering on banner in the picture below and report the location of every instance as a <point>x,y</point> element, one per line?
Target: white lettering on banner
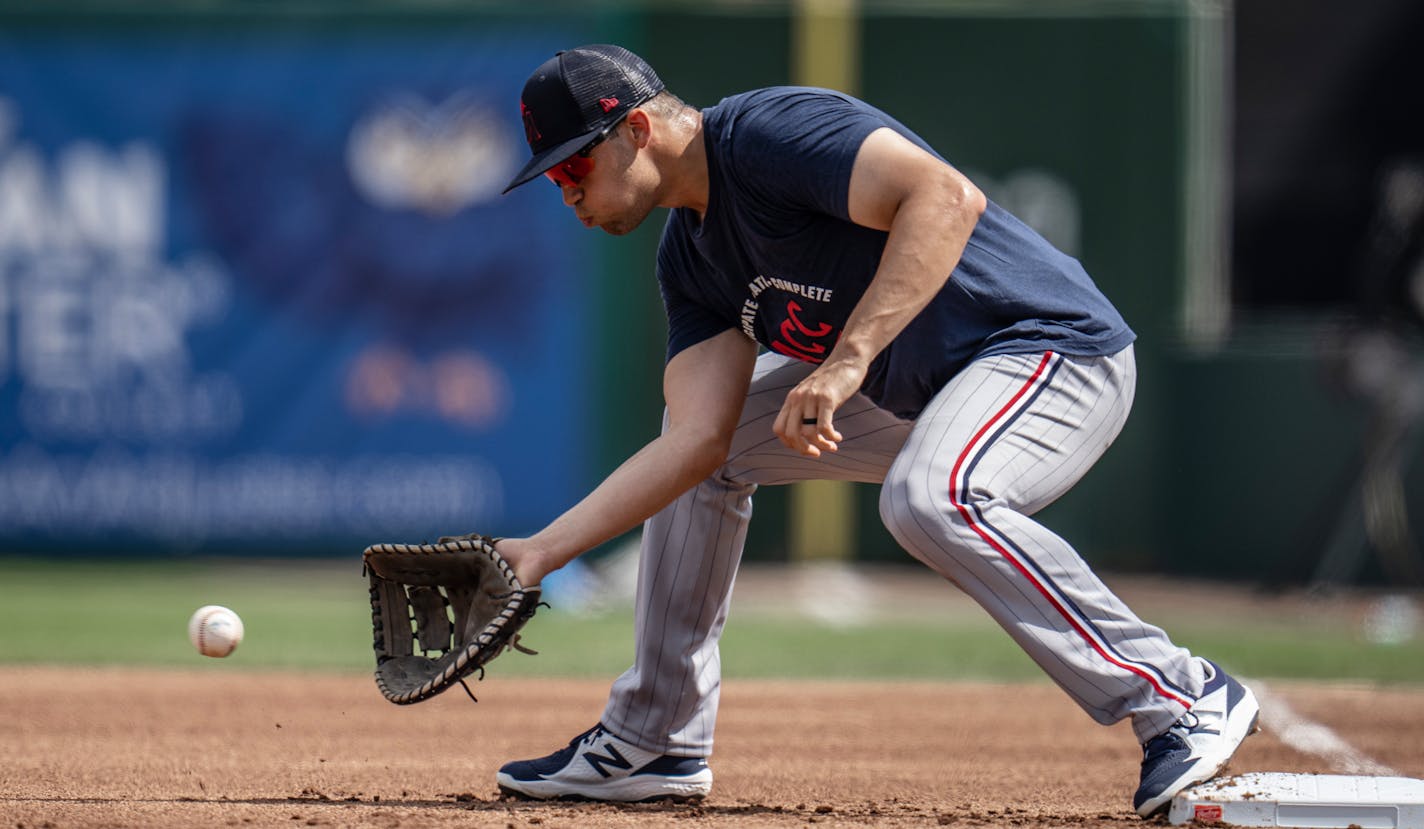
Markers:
<point>51,332</point>
<point>92,202</point>
<point>94,315</point>
<point>206,405</point>
<point>186,500</point>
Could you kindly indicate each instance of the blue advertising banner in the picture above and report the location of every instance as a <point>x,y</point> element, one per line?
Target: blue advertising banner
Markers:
<point>260,289</point>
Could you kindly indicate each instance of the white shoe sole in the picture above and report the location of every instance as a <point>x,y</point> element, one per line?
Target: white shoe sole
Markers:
<point>1241,724</point>
<point>631,789</point>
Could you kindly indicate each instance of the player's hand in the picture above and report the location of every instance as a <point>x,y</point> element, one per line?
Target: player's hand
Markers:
<point>529,563</point>
<point>807,419</point>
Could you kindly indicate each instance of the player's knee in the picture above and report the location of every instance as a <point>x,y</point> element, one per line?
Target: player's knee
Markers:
<point>906,502</point>
<point>901,503</point>
<point>910,508</point>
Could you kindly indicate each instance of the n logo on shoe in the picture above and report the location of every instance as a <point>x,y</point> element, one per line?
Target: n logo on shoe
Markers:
<point>598,761</point>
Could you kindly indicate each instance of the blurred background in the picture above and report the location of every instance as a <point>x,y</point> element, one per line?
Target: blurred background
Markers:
<point>260,296</point>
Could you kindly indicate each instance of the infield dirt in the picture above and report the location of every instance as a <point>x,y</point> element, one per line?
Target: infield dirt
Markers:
<point>142,748</point>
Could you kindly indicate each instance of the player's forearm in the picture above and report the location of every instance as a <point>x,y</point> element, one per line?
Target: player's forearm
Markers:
<point>634,492</point>
<point>705,386</point>
<point>926,240</point>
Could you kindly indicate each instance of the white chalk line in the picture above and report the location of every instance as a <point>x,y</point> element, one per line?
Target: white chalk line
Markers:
<point>1310,737</point>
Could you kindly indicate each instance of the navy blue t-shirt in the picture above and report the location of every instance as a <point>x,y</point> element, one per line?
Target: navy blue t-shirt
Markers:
<point>777,257</point>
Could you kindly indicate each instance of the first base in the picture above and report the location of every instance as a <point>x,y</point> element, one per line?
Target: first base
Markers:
<point>1315,800</point>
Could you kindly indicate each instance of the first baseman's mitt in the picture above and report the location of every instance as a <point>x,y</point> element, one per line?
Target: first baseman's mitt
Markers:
<point>440,612</point>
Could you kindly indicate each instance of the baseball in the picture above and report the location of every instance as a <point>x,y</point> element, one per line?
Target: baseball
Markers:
<point>214,630</point>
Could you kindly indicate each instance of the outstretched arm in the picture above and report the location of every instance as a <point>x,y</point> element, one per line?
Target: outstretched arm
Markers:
<point>705,387</point>
<point>930,210</point>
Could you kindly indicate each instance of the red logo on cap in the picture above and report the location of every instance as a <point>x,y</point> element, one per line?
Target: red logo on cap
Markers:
<point>608,103</point>
<point>531,132</point>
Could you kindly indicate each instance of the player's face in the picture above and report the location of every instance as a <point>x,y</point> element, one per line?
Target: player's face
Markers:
<point>602,184</point>
<point>573,170</point>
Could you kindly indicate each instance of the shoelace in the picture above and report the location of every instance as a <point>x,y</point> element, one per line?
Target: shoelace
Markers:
<point>593,734</point>
<point>563,755</point>
<point>1173,738</point>
<point>1186,723</point>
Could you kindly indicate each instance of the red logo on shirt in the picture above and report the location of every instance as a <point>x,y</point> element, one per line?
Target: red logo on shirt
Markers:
<point>800,340</point>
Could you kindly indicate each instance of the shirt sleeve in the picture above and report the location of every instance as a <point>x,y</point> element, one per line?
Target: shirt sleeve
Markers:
<point>794,150</point>
<point>688,323</point>
<point>678,271</point>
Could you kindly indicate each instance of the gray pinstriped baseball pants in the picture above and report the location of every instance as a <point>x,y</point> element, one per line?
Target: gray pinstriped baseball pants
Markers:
<point>1005,438</point>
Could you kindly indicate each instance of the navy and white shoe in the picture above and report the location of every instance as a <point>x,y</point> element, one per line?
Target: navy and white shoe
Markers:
<point>598,766</point>
<point>1199,745</point>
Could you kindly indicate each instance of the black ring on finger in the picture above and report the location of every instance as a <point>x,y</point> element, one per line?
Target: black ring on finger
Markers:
<point>808,421</point>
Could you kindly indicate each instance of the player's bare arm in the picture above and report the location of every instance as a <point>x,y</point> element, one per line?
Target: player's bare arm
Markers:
<point>929,210</point>
<point>704,386</point>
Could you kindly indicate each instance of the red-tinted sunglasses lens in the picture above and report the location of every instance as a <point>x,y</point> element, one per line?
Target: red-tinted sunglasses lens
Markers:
<point>570,172</point>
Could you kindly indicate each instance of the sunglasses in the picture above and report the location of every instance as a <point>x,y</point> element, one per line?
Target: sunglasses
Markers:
<point>573,170</point>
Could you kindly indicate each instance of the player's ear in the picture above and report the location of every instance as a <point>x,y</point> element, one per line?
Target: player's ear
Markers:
<point>640,127</point>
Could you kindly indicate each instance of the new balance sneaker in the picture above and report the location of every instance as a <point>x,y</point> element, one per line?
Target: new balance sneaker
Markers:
<point>1197,746</point>
<point>598,766</point>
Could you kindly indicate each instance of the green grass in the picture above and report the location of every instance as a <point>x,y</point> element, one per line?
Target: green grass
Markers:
<point>316,616</point>
<point>136,613</point>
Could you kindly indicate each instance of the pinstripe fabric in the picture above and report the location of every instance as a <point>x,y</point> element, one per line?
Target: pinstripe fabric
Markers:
<point>667,702</point>
<point>1005,438</point>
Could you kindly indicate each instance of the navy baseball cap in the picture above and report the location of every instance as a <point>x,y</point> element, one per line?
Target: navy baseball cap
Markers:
<point>576,95</point>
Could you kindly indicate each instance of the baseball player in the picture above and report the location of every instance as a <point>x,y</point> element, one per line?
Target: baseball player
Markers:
<point>915,336</point>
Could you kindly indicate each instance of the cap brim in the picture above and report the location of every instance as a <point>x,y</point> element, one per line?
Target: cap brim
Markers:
<point>547,159</point>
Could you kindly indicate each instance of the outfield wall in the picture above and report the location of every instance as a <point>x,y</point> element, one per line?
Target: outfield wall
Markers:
<point>260,293</point>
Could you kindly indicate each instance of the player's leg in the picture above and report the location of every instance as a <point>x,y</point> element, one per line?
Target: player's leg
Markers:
<point>1004,439</point>
<point>668,700</point>
<point>1007,437</point>
<point>661,712</point>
